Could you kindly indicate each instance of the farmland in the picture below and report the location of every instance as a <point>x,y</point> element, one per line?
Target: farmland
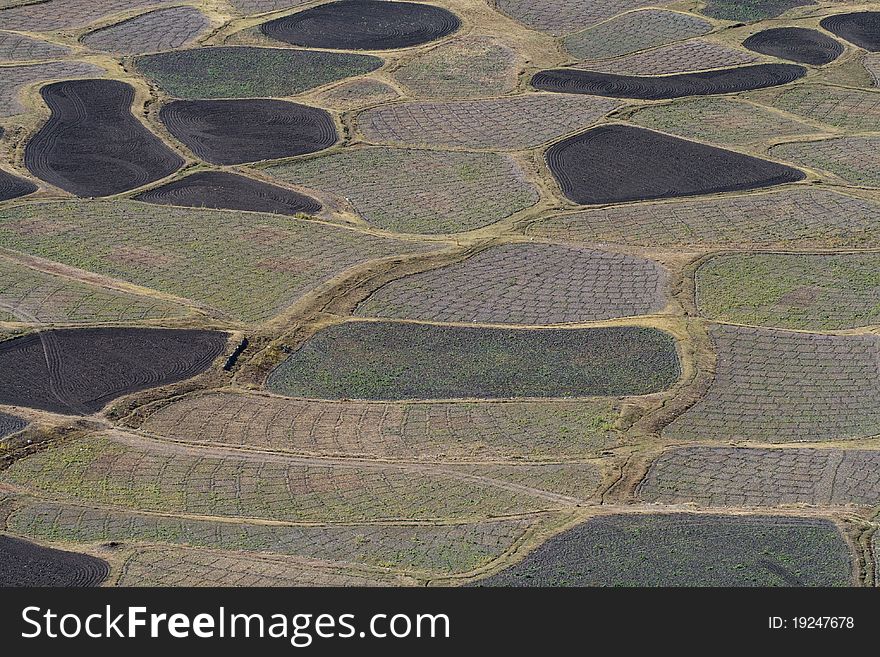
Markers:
<point>441,292</point>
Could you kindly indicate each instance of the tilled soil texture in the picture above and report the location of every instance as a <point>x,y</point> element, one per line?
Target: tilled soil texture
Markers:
<point>92,145</point>
<point>704,83</point>
<point>565,16</point>
<point>684,57</point>
<point>849,109</point>
<point>10,424</point>
<point>15,48</point>
<point>26,564</point>
<point>738,476</point>
<point>163,29</point>
<point>238,131</point>
<point>245,72</point>
<point>364,25</point>
<point>651,165</point>
<point>687,550</point>
<point>526,284</point>
<point>852,159</point>
<point>78,371</point>
<point>751,10</point>
<point>796,44</point>
<point>221,189</point>
<point>860,28</point>
<point>13,186</point>
<point>14,78</point>
<point>785,386</point>
<point>389,360</point>
<point>53,15</point>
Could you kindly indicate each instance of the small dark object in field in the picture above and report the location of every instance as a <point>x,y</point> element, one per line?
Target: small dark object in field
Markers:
<point>364,25</point>
<point>79,371</point>
<point>617,163</point>
<point>703,83</point>
<point>23,563</point>
<point>92,145</point>
<point>238,131</point>
<point>220,189</point>
<point>860,28</point>
<point>797,44</point>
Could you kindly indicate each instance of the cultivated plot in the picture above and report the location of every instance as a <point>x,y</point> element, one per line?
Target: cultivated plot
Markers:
<point>33,296</point>
<point>221,189</point>
<point>516,123</point>
<point>729,476</point>
<point>265,6</point>
<point>523,429</point>
<point>12,186</point>
<point>819,292</point>
<point>525,284</point>
<point>796,44</point>
<point>92,145</point>
<point>26,564</point>
<point>163,29</point>
<point>691,55</point>
<point>185,252</point>
<point>651,165</point>
<point>246,72</point>
<point>704,83</point>
<point>356,94</point>
<point>62,14</point>
<point>750,10</point>
<point>466,67</point>
<point>238,131</point>
<point>391,360</point>
<point>19,48</point>
<point>796,218</point>
<point>872,66</point>
<point>849,109</point>
<point>687,550</point>
<point>634,31</point>
<point>363,25</point>
<point>14,78</point>
<point>10,424</point>
<point>79,371</point>
<point>782,386</point>
<point>852,159</point>
<point>860,28</point>
<point>566,16</point>
<point>418,191</point>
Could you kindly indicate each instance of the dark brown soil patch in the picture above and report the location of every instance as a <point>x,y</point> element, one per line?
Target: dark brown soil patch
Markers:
<point>10,424</point>
<point>23,563</point>
<point>860,28</point>
<point>797,44</point>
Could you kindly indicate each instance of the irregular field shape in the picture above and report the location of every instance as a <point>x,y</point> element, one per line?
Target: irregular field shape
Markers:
<point>687,550</point>
<point>516,123</point>
<point>525,284</point>
<point>850,109</point>
<point>246,72</point>
<point>720,120</point>
<point>221,189</point>
<point>163,29</point>
<point>238,131</point>
<point>731,476</point>
<point>446,549</point>
<point>750,10</point>
<point>820,292</point>
<point>61,14</point>
<point>19,48</point>
<point>633,31</point>
<point>391,431</point>
<point>565,16</point>
<point>10,424</point>
<point>418,191</point>
<point>651,165</point>
<point>872,65</point>
<point>363,25</point>
<point>92,145</point>
<point>14,78</point>
<point>389,360</point>
<point>162,477</point>
<point>859,28</point>
<point>781,386</point>
<point>30,295</point>
<point>853,159</point>
<point>13,187</point>
<point>79,371</point>
<point>181,567</point>
<point>796,44</point>
<point>186,252</point>
<point>804,218</point>
<point>692,55</point>
<point>356,94</point>
<point>703,83</point>
<point>26,564</point>
<point>466,67</point>
<point>265,6</point>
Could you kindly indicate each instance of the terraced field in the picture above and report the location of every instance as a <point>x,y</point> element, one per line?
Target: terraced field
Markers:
<point>27,564</point>
<point>692,55</point>
<point>17,47</point>
<point>840,107</point>
<point>15,78</point>
<point>164,29</point>
<point>852,159</point>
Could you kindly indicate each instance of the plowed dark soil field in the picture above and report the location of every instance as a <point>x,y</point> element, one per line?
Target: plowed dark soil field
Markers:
<point>26,564</point>
<point>78,371</point>
<point>9,424</point>
<point>646,87</point>
<point>238,131</point>
<point>796,44</point>
<point>220,189</point>
<point>364,25</point>
<point>651,165</point>
<point>859,28</point>
<point>92,145</point>
<point>14,187</point>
